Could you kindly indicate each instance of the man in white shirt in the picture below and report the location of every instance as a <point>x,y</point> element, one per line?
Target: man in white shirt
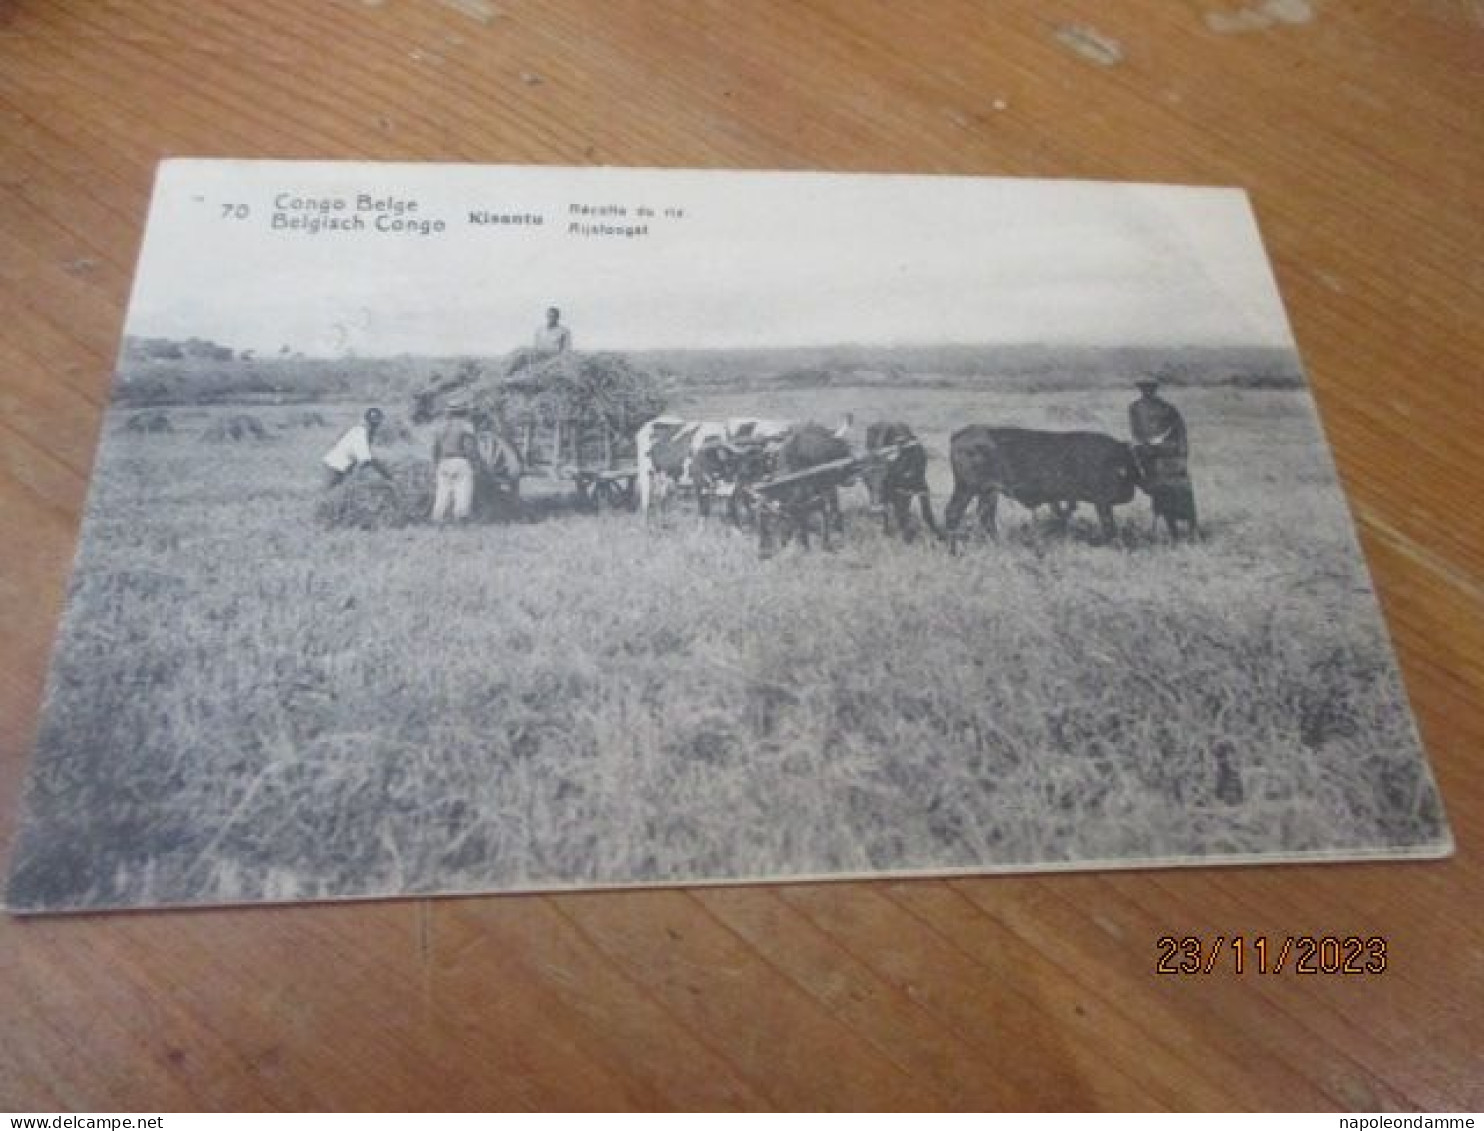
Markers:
<point>353,450</point>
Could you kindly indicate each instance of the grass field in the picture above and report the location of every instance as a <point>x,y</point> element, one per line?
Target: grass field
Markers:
<point>245,706</point>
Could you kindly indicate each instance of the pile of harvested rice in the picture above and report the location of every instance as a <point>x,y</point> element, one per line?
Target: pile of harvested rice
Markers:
<point>241,426</point>
<point>156,421</point>
<point>366,501</point>
<point>574,385</point>
<point>595,388</point>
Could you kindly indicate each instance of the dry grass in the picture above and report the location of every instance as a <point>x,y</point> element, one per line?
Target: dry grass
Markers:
<point>263,709</point>
<point>235,428</point>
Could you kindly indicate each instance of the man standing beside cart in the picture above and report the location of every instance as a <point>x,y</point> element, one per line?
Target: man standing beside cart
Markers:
<point>455,449</point>
<point>497,471</point>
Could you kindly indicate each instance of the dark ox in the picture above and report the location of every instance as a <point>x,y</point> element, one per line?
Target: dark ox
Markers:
<point>811,445</point>
<point>731,469</point>
<point>796,500</point>
<point>898,477</point>
<point>1037,468</point>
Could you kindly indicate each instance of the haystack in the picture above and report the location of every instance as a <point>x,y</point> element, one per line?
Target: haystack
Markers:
<point>366,501</point>
<point>579,385</point>
<point>157,421</point>
<point>240,426</point>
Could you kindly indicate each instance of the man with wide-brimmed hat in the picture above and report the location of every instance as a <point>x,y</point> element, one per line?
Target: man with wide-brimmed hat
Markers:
<point>1162,449</point>
<point>455,449</point>
<point>1156,423</point>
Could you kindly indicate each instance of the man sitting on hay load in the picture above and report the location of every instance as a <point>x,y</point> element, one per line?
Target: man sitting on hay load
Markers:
<point>551,339</point>
<point>571,417</point>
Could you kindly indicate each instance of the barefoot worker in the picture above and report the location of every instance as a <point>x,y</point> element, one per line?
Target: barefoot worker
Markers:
<point>454,451</point>
<point>552,338</point>
<point>353,450</point>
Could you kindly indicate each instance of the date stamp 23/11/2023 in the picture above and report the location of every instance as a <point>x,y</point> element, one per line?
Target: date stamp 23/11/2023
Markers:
<point>1263,954</point>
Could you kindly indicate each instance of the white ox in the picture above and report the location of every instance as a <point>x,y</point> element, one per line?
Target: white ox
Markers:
<point>699,432</point>
<point>753,428</point>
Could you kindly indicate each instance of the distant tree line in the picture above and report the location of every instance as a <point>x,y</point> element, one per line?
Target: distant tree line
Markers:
<point>159,371</point>
<point>1043,365</point>
<point>169,349</point>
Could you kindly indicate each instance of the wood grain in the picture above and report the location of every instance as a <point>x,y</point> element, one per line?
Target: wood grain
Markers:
<point>1356,127</point>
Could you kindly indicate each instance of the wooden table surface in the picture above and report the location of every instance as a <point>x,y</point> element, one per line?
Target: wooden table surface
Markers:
<point>1358,129</point>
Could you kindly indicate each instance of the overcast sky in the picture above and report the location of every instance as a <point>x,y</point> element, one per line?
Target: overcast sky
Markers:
<point>758,259</point>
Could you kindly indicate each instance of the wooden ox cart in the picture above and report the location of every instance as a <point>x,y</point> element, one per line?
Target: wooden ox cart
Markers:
<point>584,449</point>
<point>570,418</point>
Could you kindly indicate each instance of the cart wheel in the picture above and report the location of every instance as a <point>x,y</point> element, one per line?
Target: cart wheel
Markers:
<point>589,494</point>
<point>741,511</point>
<point>507,501</point>
<point>614,495</point>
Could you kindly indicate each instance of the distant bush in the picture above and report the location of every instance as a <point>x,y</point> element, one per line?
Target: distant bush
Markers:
<point>168,349</point>
<point>149,422</point>
<point>1265,380</point>
<point>274,380</point>
<point>804,378</point>
<point>240,426</point>
<point>152,349</point>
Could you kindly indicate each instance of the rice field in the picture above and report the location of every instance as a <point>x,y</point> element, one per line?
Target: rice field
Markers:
<point>247,706</point>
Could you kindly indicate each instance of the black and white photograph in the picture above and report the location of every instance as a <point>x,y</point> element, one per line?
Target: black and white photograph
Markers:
<point>465,529</point>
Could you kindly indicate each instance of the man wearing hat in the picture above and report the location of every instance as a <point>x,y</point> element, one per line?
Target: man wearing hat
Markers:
<point>1161,448</point>
<point>454,450</point>
<point>1155,423</point>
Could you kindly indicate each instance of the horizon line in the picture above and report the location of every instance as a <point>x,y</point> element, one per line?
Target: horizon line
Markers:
<point>261,354</point>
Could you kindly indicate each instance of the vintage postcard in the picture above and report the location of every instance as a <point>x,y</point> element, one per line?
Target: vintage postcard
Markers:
<point>483,529</point>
